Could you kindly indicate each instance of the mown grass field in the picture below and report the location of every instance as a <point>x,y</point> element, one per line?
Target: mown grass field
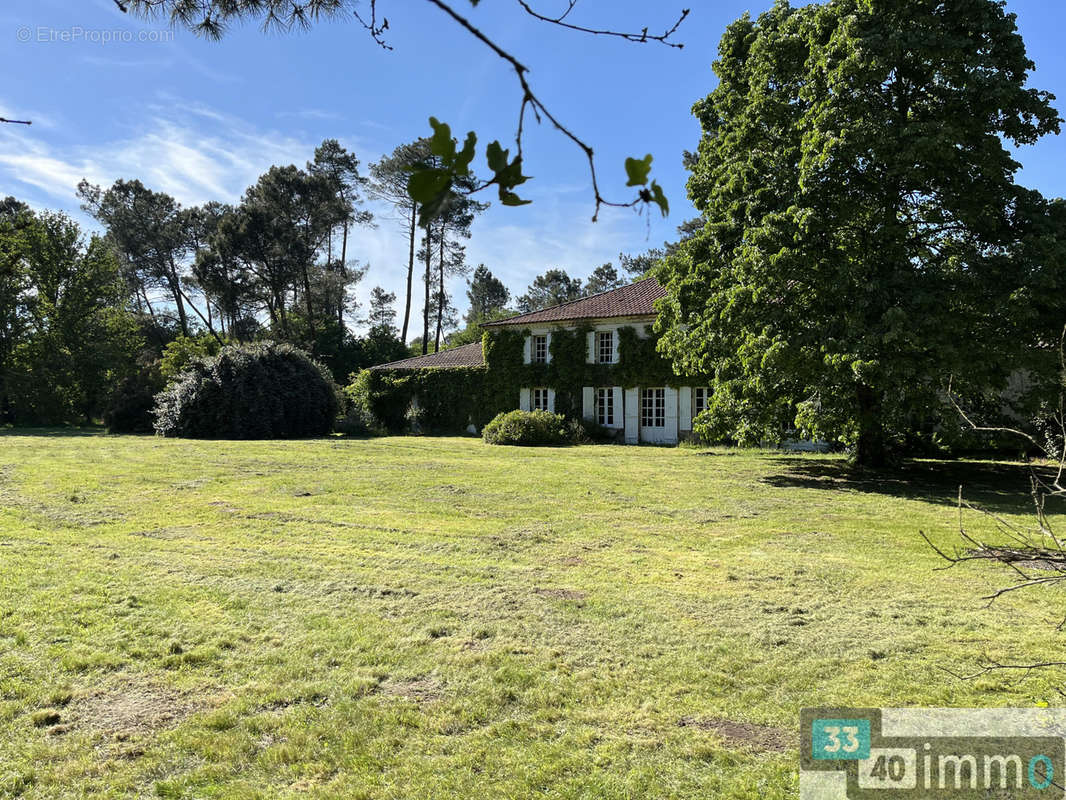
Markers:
<point>438,618</point>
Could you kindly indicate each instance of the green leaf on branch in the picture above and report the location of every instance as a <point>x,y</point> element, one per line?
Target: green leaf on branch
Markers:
<point>461,165</point>
<point>426,183</point>
<point>637,170</point>
<point>511,199</point>
<point>659,198</point>
<point>506,174</point>
<point>496,156</point>
<point>441,143</point>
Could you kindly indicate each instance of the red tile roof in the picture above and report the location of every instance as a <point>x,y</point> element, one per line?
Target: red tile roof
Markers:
<point>634,300</point>
<point>467,355</point>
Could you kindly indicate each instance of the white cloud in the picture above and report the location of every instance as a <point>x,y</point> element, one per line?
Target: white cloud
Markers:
<point>197,153</point>
<point>171,149</point>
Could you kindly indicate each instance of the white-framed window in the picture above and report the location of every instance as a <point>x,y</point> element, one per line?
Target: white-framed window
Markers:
<point>605,406</point>
<point>540,399</point>
<point>699,399</point>
<point>605,347</point>
<point>539,349</point>
<point>653,408</point>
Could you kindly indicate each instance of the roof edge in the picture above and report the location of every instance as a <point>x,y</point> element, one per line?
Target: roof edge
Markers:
<point>515,320</point>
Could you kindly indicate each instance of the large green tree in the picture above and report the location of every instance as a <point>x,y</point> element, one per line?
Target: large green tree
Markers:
<point>864,238</point>
<point>152,234</point>
<point>487,295</point>
<point>550,289</point>
<point>75,339</point>
<point>604,278</point>
<point>15,217</point>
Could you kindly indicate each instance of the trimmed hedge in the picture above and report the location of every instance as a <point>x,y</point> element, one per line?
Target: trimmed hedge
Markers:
<point>529,428</point>
<point>255,391</point>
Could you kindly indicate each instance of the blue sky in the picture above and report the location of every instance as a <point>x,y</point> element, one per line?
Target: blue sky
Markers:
<point>202,119</point>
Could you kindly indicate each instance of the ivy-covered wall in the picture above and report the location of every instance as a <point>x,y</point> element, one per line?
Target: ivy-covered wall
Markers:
<point>449,398</point>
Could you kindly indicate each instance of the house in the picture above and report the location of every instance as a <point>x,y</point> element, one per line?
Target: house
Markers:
<point>594,357</point>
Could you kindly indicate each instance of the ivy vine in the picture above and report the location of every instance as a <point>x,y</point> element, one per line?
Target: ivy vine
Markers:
<point>450,398</point>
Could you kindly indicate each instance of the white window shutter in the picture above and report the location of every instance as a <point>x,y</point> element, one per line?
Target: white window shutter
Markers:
<point>551,401</point>
<point>619,421</point>
<point>548,348</point>
<point>614,346</point>
<point>526,353</point>
<point>590,356</point>
<point>523,399</point>
<point>632,416</point>
<point>670,395</point>
<point>684,409</point>
<point>588,403</point>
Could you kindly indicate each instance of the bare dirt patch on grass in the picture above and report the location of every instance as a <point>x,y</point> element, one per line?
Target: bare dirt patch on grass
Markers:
<point>743,735</point>
<point>561,594</point>
<point>421,690</point>
<point>135,708</point>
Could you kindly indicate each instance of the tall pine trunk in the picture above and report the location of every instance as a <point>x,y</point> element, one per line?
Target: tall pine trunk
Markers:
<point>174,281</point>
<point>440,295</point>
<point>344,275</point>
<point>310,310</point>
<point>410,276</point>
<point>428,281</point>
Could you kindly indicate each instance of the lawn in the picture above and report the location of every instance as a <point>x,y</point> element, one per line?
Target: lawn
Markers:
<point>439,618</point>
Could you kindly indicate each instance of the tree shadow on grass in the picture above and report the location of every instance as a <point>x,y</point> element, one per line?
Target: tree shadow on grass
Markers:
<point>54,432</point>
<point>995,486</point>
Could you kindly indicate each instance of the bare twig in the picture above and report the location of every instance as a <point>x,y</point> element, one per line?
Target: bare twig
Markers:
<point>993,666</point>
<point>643,37</point>
<point>1040,548</point>
<point>539,109</point>
<point>209,17</point>
<point>16,121</point>
<point>376,30</point>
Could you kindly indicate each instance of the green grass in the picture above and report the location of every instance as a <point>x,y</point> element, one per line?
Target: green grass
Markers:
<point>438,618</point>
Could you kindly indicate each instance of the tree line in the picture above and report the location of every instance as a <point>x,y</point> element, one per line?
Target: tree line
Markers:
<point>91,322</point>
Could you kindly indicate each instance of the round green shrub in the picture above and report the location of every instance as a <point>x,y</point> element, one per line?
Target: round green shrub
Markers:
<point>528,428</point>
<point>254,391</point>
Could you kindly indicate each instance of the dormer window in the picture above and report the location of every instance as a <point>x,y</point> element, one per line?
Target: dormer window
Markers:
<point>605,347</point>
<point>539,349</point>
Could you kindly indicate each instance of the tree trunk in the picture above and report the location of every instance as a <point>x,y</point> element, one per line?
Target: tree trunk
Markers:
<point>205,320</point>
<point>175,289</point>
<point>344,275</point>
<point>428,281</point>
<point>283,316</point>
<point>871,450</point>
<point>310,311</point>
<point>440,295</point>
<point>410,277</point>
